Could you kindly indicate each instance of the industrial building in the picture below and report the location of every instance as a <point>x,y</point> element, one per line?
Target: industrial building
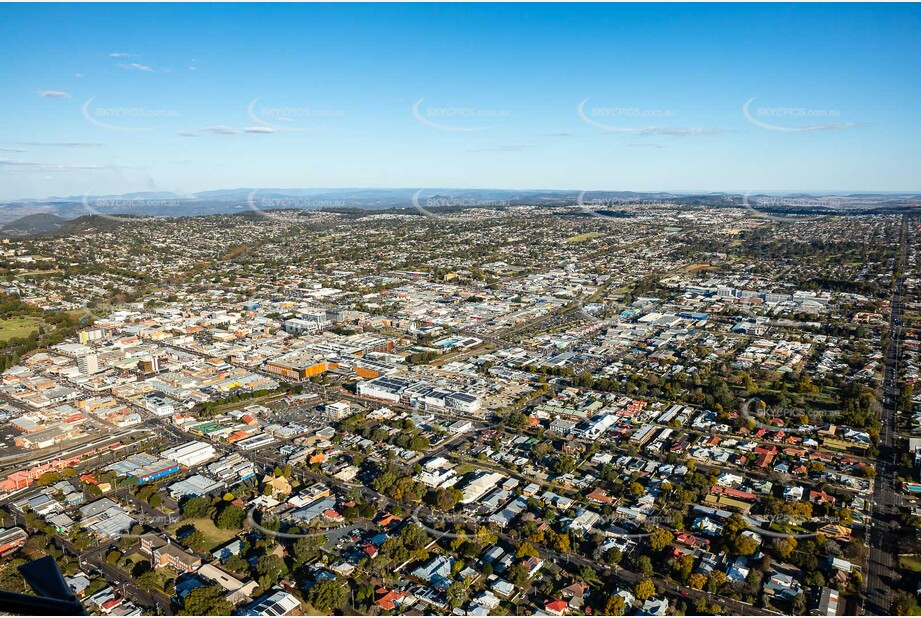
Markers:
<point>145,467</point>
<point>232,469</point>
<point>195,485</point>
<point>105,518</point>
<point>482,483</point>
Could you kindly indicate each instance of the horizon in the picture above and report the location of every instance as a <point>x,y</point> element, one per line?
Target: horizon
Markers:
<point>676,192</point>
<point>122,99</point>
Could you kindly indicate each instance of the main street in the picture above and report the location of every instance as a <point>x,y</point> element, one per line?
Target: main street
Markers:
<point>882,538</point>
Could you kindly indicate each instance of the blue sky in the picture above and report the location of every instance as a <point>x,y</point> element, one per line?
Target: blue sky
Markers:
<point>116,98</point>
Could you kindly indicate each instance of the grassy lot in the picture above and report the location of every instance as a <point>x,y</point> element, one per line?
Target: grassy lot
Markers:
<point>788,528</point>
<point>137,557</point>
<point>912,563</point>
<point>463,469</point>
<point>40,273</point>
<point>583,237</point>
<point>310,610</point>
<point>214,536</point>
<point>17,327</point>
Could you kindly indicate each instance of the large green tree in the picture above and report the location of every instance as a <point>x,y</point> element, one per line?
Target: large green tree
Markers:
<point>230,517</point>
<point>206,601</point>
<point>328,594</point>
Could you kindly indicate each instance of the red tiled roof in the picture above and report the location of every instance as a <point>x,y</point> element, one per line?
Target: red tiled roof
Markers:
<point>556,605</point>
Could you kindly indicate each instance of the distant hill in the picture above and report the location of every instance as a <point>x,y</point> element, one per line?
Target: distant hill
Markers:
<point>248,200</point>
<point>44,224</point>
<point>33,225</point>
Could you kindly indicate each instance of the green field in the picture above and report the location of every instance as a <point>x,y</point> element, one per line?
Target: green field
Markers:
<point>214,536</point>
<point>17,327</point>
<point>583,237</point>
<point>910,563</point>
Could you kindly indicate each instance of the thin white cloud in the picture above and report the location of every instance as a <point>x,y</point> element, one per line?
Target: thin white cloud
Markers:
<point>122,55</point>
<point>830,127</point>
<point>12,150</point>
<point>642,145</point>
<point>193,68</point>
<point>66,167</point>
<point>134,66</point>
<point>47,167</point>
<point>221,129</point>
<point>54,94</point>
<point>679,131</point>
<point>559,134</point>
<point>78,75</point>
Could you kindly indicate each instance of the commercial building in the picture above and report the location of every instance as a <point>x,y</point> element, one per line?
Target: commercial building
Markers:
<point>151,364</point>
<point>88,364</point>
<point>158,403</point>
<point>299,365</point>
<point>255,442</point>
<point>384,387</point>
<point>190,454</point>
<point>11,539</point>
<point>306,323</point>
<point>338,410</point>
<point>92,335</point>
<point>463,402</point>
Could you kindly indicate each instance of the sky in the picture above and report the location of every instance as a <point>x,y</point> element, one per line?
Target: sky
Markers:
<point>114,98</point>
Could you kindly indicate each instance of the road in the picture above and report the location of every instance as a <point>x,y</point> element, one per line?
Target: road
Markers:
<point>95,558</point>
<point>629,578</point>
<point>882,538</point>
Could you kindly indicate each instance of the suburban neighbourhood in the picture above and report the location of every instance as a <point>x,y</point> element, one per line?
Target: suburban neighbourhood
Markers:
<point>523,410</point>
